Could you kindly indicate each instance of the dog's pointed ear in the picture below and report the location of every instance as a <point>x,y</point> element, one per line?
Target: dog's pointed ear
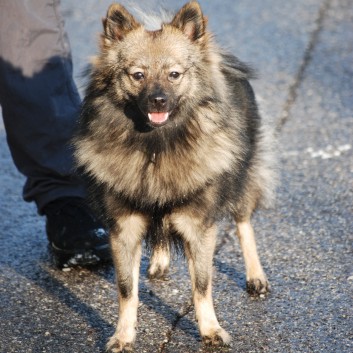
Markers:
<point>118,22</point>
<point>191,21</point>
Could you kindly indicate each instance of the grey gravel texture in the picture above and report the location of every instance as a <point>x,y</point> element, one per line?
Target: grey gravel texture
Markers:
<point>303,51</point>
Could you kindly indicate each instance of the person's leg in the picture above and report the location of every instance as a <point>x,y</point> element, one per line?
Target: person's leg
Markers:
<point>40,106</point>
<point>39,100</point>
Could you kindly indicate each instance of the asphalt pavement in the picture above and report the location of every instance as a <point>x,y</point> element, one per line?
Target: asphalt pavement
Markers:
<point>303,52</point>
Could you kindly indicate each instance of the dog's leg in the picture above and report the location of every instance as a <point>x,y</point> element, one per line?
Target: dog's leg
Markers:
<point>256,281</point>
<point>126,252</point>
<point>160,259</point>
<point>159,263</point>
<point>199,243</point>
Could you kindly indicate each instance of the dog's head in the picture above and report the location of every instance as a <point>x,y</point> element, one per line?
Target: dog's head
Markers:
<point>153,72</point>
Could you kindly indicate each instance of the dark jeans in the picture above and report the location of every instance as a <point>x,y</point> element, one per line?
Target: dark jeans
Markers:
<point>39,100</point>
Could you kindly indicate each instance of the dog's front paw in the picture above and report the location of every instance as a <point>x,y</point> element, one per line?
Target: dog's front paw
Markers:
<point>219,337</point>
<point>116,345</point>
<point>257,286</point>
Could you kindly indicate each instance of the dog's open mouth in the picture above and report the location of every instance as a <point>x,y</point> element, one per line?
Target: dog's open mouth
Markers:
<point>158,118</point>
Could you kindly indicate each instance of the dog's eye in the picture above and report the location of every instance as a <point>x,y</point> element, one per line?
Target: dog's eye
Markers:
<point>138,76</point>
<point>174,75</point>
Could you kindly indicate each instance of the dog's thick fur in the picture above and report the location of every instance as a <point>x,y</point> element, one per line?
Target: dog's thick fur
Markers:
<point>171,140</point>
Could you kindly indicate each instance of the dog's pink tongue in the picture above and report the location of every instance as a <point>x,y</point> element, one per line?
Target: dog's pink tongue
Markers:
<point>158,118</point>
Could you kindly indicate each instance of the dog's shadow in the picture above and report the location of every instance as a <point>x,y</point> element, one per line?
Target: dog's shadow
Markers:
<point>43,277</point>
<point>232,274</point>
<point>149,298</point>
<point>178,319</point>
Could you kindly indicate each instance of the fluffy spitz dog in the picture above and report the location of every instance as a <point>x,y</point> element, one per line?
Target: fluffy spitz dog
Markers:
<point>171,140</point>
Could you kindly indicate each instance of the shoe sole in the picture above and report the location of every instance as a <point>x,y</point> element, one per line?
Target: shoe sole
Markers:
<point>65,258</point>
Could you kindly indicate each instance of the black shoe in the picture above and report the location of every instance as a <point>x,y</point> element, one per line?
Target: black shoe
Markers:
<point>76,237</point>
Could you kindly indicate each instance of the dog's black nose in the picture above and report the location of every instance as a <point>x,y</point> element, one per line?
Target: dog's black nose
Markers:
<point>158,100</point>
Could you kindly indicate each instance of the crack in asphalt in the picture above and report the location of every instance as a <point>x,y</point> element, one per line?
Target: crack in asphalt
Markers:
<point>187,309</point>
<point>307,57</point>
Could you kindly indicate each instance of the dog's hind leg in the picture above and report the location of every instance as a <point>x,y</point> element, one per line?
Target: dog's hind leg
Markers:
<point>158,240</point>
<point>126,241</point>
<point>159,263</point>
<point>256,280</point>
<point>199,245</point>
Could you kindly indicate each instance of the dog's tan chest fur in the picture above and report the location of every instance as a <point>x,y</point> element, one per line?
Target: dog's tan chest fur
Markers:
<point>163,176</point>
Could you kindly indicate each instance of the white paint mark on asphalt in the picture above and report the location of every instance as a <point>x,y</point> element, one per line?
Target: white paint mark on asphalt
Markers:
<point>325,153</point>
